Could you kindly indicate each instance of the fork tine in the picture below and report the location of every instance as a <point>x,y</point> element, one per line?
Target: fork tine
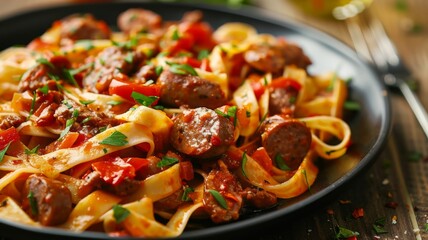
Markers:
<point>384,43</point>
<point>358,40</point>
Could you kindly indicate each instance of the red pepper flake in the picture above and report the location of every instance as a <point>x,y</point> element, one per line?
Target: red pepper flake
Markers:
<point>330,211</point>
<point>344,201</point>
<point>391,204</point>
<point>358,213</point>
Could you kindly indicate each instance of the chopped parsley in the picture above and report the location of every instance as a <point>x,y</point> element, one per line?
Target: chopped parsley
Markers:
<point>243,163</point>
<point>175,35</point>
<point>120,213</point>
<point>69,76</point>
<point>158,70</point>
<point>33,104</point>
<point>351,105</point>
<point>182,69</point>
<point>379,226</point>
<point>67,104</point>
<point>86,102</point>
<point>46,62</point>
<point>44,89</point>
<point>114,102</point>
<point>231,113</point>
<point>305,175</point>
<point>344,233</point>
<point>85,44</point>
<point>69,123</point>
<point>204,53</point>
<point>166,161</point>
<point>143,99</point>
<point>129,58</point>
<point>186,191</point>
<point>280,163</point>
<point>3,152</point>
<point>115,139</point>
<point>86,120</point>
<point>33,204</point>
<point>128,44</point>
<point>219,198</point>
<point>32,151</point>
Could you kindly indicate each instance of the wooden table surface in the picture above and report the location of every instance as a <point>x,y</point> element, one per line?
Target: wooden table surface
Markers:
<point>396,187</point>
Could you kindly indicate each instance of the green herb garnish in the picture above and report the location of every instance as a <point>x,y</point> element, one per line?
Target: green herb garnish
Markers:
<point>85,44</point>
<point>3,152</point>
<point>182,69</point>
<point>243,163</point>
<point>129,58</point>
<point>186,191</point>
<point>351,105</point>
<point>175,35</point>
<point>33,104</point>
<point>44,89</point>
<point>280,163</point>
<point>158,70</point>
<point>120,213</point>
<point>166,161</point>
<point>86,102</point>
<point>33,204</point>
<point>143,99</point>
<point>379,226</point>
<point>115,139</point>
<point>343,233</point>
<point>219,198</point>
<point>204,53</point>
<point>305,175</point>
<point>44,61</point>
<point>114,102</point>
<point>32,151</point>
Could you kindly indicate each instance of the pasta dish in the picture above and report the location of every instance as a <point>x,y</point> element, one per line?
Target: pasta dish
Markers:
<point>139,129</point>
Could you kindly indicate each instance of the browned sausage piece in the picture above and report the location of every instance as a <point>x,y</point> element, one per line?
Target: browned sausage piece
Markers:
<point>138,20</point>
<point>77,26</point>
<point>201,133</point>
<point>266,58</point>
<point>228,186</point>
<point>281,100</point>
<point>110,62</point>
<point>287,139</point>
<point>259,198</point>
<point>193,91</point>
<point>294,55</point>
<point>52,199</point>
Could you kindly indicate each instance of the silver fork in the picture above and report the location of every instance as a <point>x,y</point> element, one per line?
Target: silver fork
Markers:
<point>372,43</point>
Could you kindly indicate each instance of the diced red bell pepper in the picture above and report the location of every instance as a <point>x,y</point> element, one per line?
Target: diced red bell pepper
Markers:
<point>186,170</point>
<point>114,172</point>
<point>201,33</point>
<point>7,136</point>
<point>137,163</point>
<point>285,82</point>
<point>262,157</point>
<point>125,89</point>
<point>258,88</point>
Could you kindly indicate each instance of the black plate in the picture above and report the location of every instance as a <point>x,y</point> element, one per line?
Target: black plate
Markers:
<point>370,126</point>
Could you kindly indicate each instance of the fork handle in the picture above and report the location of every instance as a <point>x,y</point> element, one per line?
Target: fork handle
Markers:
<point>417,107</point>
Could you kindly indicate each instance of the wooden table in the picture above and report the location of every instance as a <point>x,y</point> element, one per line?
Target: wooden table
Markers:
<point>396,187</point>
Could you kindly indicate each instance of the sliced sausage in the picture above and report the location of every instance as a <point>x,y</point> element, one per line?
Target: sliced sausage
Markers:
<point>193,91</point>
<point>266,58</point>
<point>259,198</point>
<point>136,20</point>
<point>109,63</point>
<point>51,199</point>
<point>12,120</point>
<point>287,139</point>
<point>170,203</point>
<point>281,100</point>
<point>225,183</point>
<point>294,55</point>
<point>42,74</point>
<point>85,26</point>
<point>201,133</point>
<point>273,58</point>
